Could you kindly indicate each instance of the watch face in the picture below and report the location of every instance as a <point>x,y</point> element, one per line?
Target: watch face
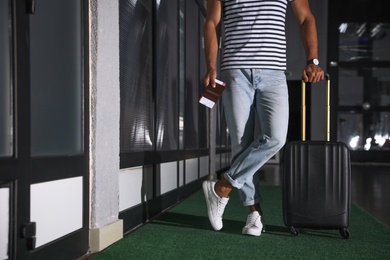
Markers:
<point>313,61</point>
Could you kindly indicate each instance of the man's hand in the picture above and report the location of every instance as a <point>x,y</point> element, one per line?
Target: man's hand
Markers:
<point>312,73</point>
<point>210,77</point>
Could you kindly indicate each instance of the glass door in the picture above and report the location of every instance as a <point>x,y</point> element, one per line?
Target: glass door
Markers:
<point>359,60</point>
<point>14,196</point>
<point>6,129</point>
<point>58,113</point>
<point>44,131</point>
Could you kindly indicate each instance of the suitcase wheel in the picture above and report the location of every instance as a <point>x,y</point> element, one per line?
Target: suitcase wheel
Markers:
<point>345,233</point>
<point>294,231</point>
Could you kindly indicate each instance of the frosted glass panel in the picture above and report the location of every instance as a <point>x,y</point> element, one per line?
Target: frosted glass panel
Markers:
<point>168,177</point>
<point>61,212</point>
<point>6,113</point>
<point>4,222</point>
<point>135,186</point>
<point>191,170</point>
<point>56,78</point>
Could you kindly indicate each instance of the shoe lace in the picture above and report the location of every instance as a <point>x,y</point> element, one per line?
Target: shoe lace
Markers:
<point>221,208</point>
<point>251,220</point>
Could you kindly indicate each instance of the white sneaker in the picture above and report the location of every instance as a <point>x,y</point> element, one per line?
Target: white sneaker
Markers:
<point>253,225</point>
<point>215,204</point>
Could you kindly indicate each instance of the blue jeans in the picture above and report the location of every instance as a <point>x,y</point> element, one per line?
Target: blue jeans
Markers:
<point>251,94</point>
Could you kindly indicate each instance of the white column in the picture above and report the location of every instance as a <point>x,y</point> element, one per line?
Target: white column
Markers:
<point>105,228</point>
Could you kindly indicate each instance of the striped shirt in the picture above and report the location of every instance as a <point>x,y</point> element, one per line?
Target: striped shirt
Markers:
<point>254,34</point>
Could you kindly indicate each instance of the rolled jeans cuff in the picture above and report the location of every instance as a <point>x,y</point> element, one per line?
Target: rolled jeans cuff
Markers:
<point>232,182</point>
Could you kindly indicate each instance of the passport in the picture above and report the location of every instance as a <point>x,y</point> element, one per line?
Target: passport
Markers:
<point>211,95</point>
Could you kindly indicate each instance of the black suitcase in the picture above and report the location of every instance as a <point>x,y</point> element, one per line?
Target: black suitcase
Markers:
<point>316,182</point>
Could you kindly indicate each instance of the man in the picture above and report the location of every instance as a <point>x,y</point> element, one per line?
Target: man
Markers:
<point>253,66</point>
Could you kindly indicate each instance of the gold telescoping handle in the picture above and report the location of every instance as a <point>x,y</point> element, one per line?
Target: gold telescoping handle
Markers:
<point>327,110</point>
<point>303,112</point>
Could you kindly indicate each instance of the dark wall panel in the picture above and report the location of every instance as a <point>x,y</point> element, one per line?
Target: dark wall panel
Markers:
<point>136,75</point>
<point>167,78</point>
<point>192,76</point>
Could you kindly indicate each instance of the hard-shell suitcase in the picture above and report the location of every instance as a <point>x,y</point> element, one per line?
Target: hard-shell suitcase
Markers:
<point>316,182</point>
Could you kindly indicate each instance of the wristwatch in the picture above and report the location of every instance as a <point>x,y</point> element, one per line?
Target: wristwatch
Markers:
<point>313,61</point>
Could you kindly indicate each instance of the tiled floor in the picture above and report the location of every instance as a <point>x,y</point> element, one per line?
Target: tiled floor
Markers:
<point>370,187</point>
<point>371,190</point>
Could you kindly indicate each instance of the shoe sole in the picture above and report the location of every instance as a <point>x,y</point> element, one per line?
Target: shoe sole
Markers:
<point>256,234</point>
<point>205,187</point>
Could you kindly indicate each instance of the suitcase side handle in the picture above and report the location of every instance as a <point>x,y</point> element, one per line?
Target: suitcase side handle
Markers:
<point>327,109</point>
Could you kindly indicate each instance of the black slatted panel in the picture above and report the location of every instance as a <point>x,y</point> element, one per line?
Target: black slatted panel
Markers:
<point>191,133</point>
<point>167,68</point>
<point>136,78</point>
<point>203,112</point>
<point>182,71</point>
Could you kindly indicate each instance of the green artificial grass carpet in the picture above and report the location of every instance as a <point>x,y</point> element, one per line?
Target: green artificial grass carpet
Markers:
<point>184,232</point>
